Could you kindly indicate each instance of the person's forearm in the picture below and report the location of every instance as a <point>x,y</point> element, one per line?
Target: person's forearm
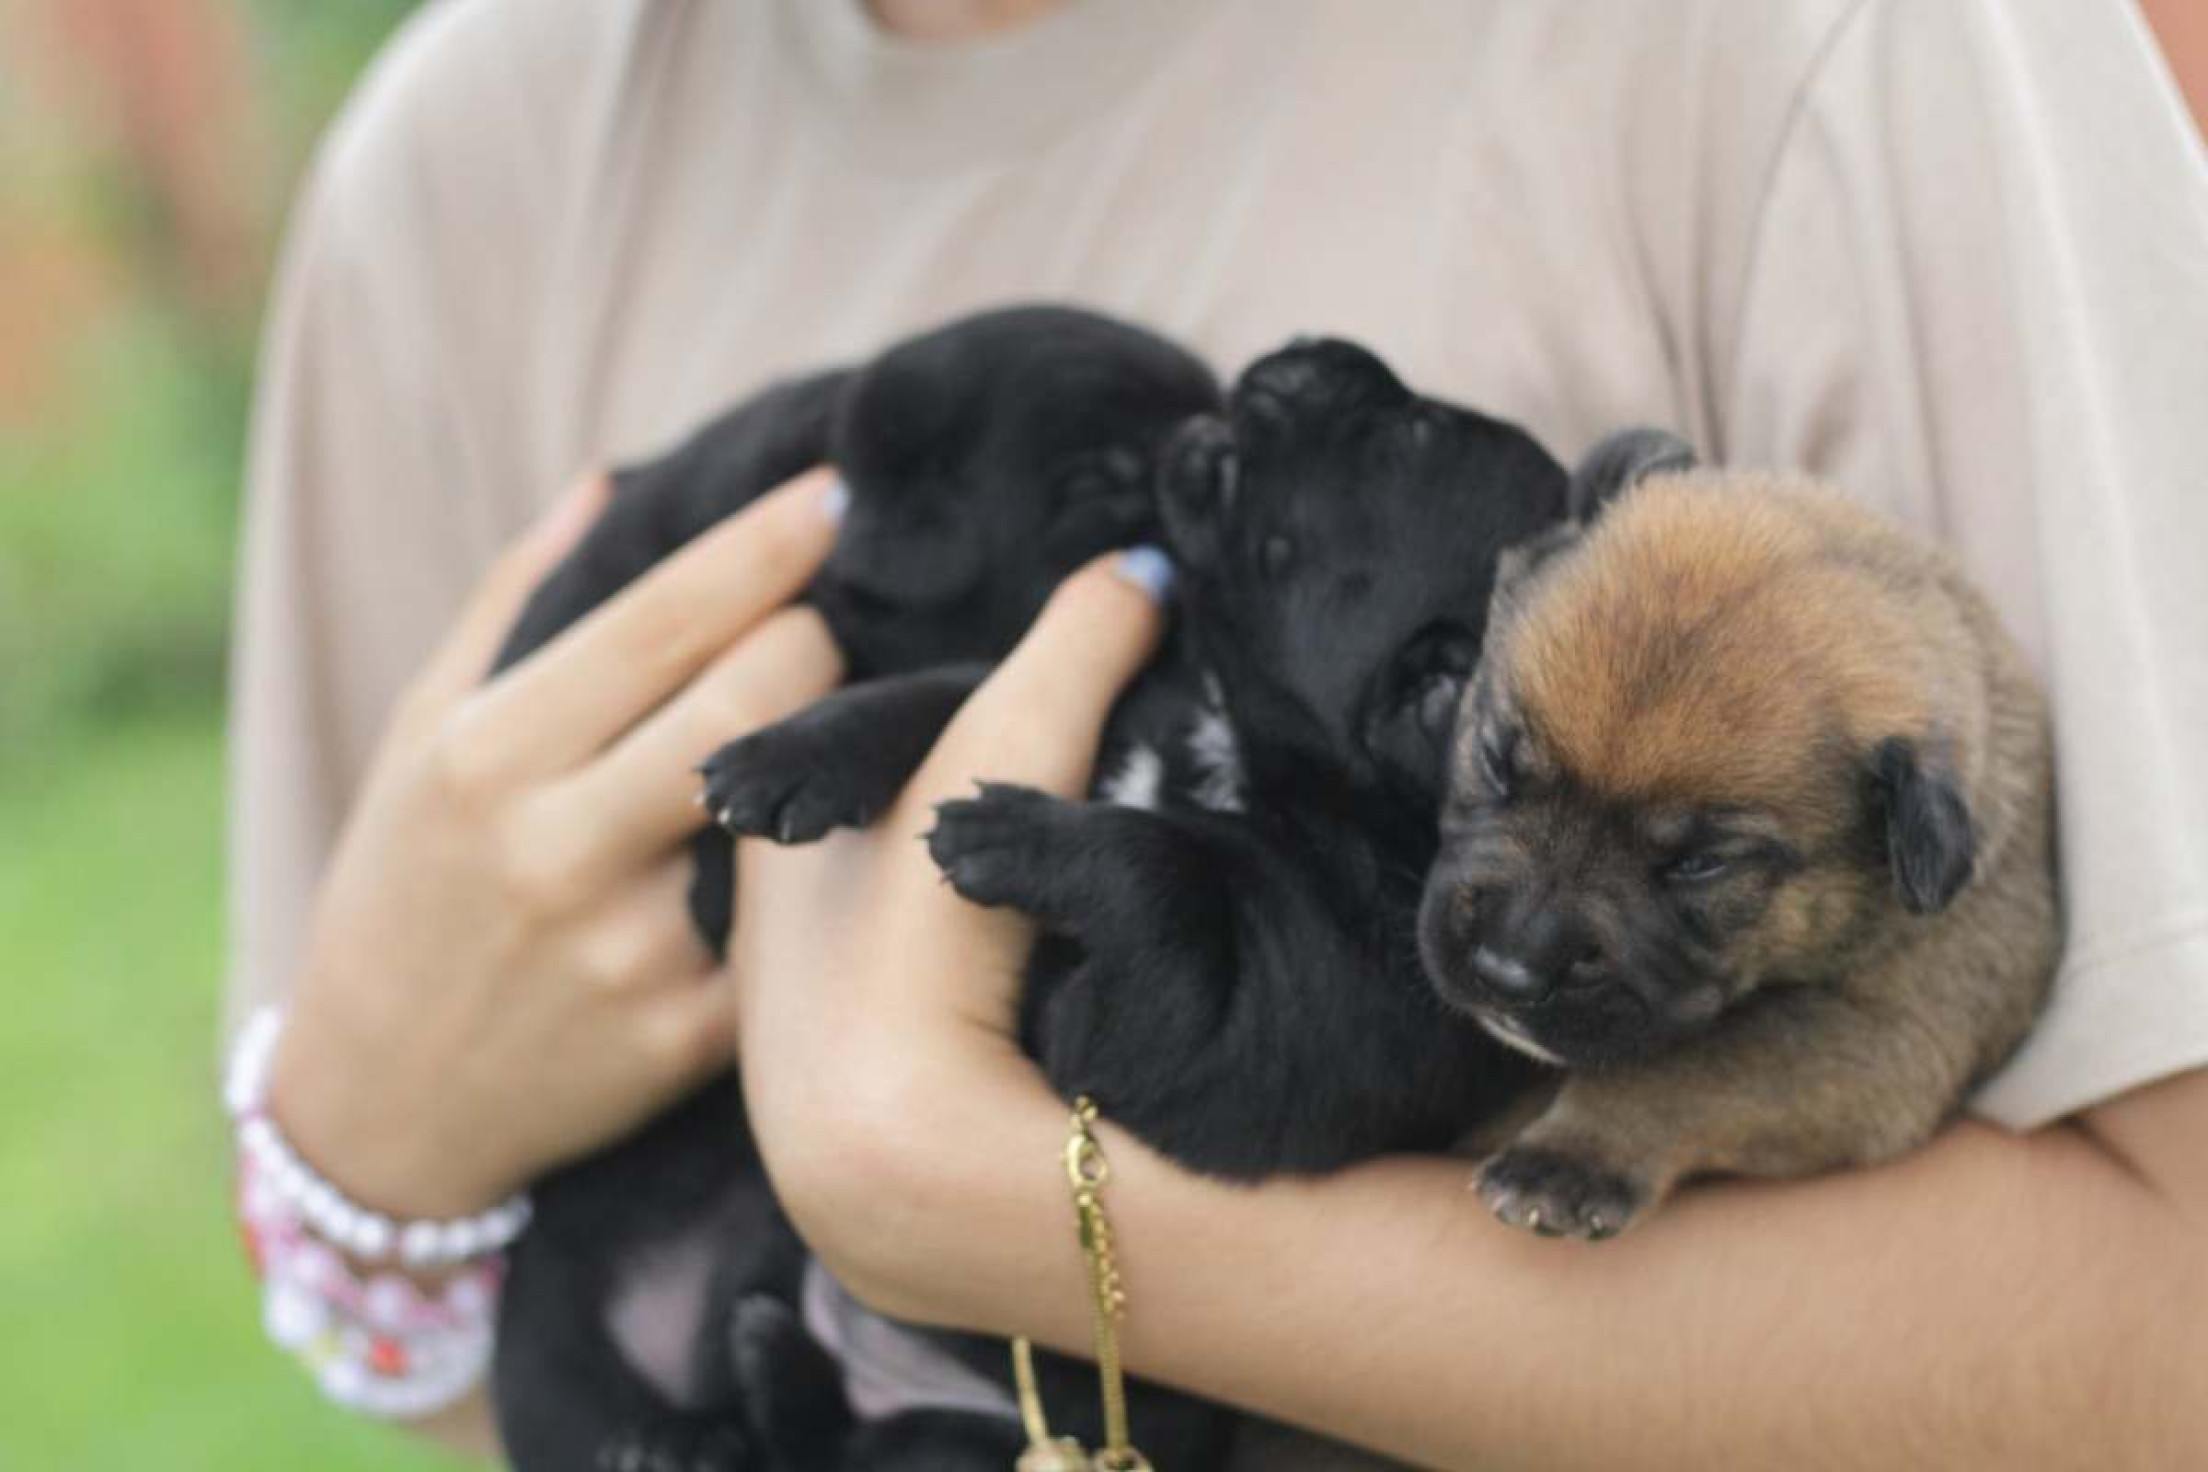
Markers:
<point>1991,1301</point>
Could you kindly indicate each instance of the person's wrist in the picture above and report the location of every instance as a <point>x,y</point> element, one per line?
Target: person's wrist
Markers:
<point>384,1142</point>
<point>930,1178</point>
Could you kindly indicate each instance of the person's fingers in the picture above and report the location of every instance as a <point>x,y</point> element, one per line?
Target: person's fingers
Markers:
<point>1037,718</point>
<point>641,795</point>
<point>595,680</point>
<point>685,1035</point>
<point>640,940</point>
<point>462,661</point>
<point>1035,721</point>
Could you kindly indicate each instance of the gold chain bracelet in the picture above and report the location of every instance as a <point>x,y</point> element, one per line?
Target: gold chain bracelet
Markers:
<point>1086,1172</point>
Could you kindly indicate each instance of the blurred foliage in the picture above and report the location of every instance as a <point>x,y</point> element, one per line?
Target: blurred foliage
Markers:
<point>121,448</point>
<point>146,150</point>
<point>116,525</point>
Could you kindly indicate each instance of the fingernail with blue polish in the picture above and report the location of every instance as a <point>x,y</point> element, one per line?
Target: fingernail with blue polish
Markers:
<point>836,501</point>
<point>1149,569</point>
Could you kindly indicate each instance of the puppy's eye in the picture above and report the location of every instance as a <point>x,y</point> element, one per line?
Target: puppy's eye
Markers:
<point>1697,868</point>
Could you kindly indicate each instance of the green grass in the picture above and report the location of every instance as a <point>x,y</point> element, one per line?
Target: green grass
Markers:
<point>132,1337</point>
<point>131,1319</point>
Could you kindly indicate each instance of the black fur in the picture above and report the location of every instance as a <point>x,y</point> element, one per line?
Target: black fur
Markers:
<point>1236,983</point>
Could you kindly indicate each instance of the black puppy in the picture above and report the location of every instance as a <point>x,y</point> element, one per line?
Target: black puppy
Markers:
<point>1339,536</point>
<point>1229,962</point>
<point>1246,992</point>
<point>649,1320</point>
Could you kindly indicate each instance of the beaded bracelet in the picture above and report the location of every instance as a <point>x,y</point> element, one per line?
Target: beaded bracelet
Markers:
<point>365,1234</point>
<point>383,1345</point>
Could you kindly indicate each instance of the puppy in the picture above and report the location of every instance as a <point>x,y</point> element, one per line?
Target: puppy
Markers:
<point>1338,537</point>
<point>1747,831</point>
<point>1265,815</point>
<point>1228,961</point>
<point>651,1316</point>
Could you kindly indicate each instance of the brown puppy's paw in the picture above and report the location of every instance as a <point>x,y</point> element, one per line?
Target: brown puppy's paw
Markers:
<point>1560,1195</point>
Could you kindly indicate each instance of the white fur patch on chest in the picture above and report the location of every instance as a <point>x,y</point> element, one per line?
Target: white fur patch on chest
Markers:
<point>1217,755</point>
<point>1139,781</point>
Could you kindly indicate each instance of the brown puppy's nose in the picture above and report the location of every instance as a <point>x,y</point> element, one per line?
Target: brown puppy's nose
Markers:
<point>1536,949</point>
<point>1508,976</point>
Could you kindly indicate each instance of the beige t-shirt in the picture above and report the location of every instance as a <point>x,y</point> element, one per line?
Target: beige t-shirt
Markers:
<point>1952,253</point>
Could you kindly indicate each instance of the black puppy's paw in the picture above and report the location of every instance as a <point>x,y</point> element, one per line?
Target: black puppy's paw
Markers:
<point>997,848</point>
<point>783,783</point>
<point>791,1388</point>
<point>1560,1195</point>
<point>721,1449</point>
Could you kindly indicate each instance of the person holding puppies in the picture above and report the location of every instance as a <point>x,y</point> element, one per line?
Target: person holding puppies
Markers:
<point>1951,258</point>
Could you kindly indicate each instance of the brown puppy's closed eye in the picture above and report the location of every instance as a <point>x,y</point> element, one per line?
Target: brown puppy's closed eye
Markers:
<point>1748,832</point>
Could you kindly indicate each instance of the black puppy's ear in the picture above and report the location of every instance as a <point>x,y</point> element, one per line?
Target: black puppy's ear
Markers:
<point>1412,714</point>
<point>1198,478</point>
<point>1931,842</point>
<point>1620,461</point>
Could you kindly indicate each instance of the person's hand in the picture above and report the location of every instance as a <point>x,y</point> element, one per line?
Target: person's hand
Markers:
<point>501,972</point>
<point>877,1008</point>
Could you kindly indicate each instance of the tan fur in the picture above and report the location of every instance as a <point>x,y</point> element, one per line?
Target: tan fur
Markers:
<point>1736,639</point>
<point>1706,638</point>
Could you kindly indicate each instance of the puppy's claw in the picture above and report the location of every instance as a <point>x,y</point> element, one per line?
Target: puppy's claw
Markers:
<point>992,847</point>
<point>1556,1194</point>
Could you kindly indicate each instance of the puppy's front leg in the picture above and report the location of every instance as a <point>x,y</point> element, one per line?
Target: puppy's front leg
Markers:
<point>1214,1002</point>
<point>1138,1020</point>
<point>839,762</point>
<point>1122,881</point>
<point>1800,1082</point>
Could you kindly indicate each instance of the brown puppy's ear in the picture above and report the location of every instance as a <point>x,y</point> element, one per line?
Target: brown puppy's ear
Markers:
<point>1930,840</point>
<point>1618,462</point>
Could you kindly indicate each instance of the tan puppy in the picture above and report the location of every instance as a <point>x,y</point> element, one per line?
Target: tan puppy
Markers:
<point>1748,831</point>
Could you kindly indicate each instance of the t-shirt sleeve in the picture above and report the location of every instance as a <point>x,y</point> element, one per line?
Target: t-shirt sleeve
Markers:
<point>377,480</point>
<point>1978,297</point>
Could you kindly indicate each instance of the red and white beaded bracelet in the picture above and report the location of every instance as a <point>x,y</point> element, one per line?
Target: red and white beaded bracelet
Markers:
<point>383,1344</point>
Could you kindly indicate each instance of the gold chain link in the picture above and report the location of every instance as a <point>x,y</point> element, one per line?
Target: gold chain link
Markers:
<point>1086,1172</point>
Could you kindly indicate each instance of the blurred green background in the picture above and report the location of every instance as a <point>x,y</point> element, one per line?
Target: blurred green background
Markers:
<point>147,148</point>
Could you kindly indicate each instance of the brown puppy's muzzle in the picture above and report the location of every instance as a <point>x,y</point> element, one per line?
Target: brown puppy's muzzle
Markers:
<point>1529,947</point>
<point>1548,967</point>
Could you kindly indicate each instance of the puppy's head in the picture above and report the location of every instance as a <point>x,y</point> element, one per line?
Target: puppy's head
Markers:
<point>990,457</point>
<point>1713,745</point>
<point>1337,536</point>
